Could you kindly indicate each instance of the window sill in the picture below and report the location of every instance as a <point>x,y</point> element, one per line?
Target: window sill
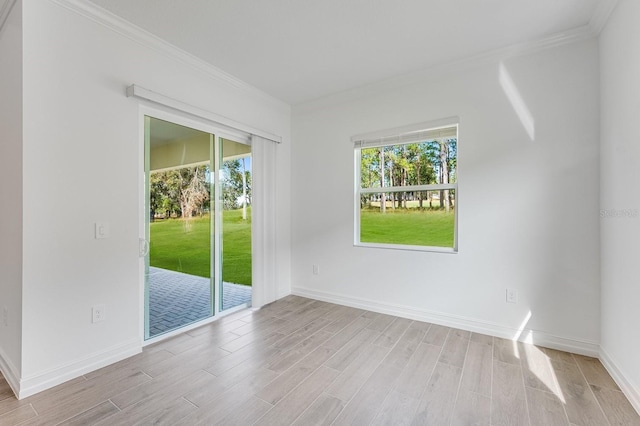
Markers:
<point>448,250</point>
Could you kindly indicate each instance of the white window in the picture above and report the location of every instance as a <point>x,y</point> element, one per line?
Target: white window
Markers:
<point>406,184</point>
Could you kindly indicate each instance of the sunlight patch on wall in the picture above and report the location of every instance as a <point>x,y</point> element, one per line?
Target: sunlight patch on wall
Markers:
<point>518,104</point>
<point>522,327</point>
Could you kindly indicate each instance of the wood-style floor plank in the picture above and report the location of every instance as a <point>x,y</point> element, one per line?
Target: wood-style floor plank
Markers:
<point>478,365</point>
<point>285,360</point>
<point>471,409</point>
<point>305,362</point>
<point>351,349</point>
<point>150,411</point>
<point>381,322</point>
<point>358,372</point>
<point>276,390</point>
<point>92,415</point>
<point>342,319</point>
<point>393,332</point>
<point>20,414</point>
<point>616,406</point>
<point>397,409</point>
<point>508,403</point>
<point>414,378</point>
<point>595,373</point>
<point>251,410</point>
<point>454,350</point>
<point>365,404</point>
<point>580,403</point>
<point>557,355</point>
<point>545,408</point>
<point>226,404</point>
<point>346,334</point>
<point>436,404</point>
<point>296,402</point>
<point>404,349</point>
<point>5,389</point>
<point>322,411</point>
<point>436,335</point>
<point>60,409</point>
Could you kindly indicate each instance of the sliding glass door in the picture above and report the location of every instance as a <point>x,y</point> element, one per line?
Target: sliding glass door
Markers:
<point>235,244</point>
<point>198,226</point>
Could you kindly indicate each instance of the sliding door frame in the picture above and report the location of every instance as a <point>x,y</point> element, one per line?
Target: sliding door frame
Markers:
<point>215,147</point>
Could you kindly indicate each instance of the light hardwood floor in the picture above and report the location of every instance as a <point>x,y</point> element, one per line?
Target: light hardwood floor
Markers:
<point>304,362</point>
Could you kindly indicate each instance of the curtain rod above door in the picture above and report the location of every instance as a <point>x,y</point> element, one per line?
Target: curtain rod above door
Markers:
<point>139,92</point>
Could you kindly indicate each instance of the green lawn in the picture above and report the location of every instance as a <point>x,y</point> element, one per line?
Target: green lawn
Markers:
<point>433,228</point>
<point>183,246</point>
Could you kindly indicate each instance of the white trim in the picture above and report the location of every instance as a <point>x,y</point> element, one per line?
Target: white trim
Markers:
<point>443,123</point>
<point>578,346</point>
<point>38,382</point>
<point>138,35</point>
<point>140,92</point>
<point>630,390</point>
<point>601,15</point>
<point>5,11</point>
<point>412,133</point>
<point>10,372</point>
<point>440,70</point>
<point>436,249</point>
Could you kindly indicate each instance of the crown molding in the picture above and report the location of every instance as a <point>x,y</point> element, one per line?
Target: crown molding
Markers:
<point>601,15</point>
<point>145,38</point>
<point>438,71</point>
<point>5,9</point>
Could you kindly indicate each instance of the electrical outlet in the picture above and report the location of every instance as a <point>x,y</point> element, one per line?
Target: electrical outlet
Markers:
<point>316,269</point>
<point>5,316</point>
<point>512,295</point>
<point>98,313</point>
<point>101,230</point>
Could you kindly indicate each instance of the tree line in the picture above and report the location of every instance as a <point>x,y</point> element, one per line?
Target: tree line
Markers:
<point>424,163</point>
<point>186,192</point>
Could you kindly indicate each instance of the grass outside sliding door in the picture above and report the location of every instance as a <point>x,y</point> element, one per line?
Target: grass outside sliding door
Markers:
<point>188,241</point>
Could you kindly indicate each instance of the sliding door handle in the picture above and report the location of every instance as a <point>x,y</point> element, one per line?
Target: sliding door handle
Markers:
<point>143,247</point>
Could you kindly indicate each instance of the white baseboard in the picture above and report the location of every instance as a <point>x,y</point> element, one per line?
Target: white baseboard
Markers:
<point>10,372</point>
<point>48,379</point>
<point>630,390</point>
<point>577,346</point>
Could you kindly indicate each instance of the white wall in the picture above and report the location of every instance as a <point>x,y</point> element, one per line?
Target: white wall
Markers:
<point>11,193</point>
<point>620,171</point>
<point>528,215</point>
<point>82,164</point>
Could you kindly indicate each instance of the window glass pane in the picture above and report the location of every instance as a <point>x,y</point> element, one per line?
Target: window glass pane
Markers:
<point>424,163</point>
<point>422,218</point>
<point>236,183</point>
<point>178,265</point>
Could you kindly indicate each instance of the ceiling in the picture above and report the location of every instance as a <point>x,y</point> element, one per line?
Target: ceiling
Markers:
<point>300,50</point>
<point>164,132</point>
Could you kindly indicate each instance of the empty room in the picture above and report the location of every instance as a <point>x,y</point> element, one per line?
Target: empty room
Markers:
<point>338,212</point>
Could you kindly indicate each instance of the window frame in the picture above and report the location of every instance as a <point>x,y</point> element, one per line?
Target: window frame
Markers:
<point>395,137</point>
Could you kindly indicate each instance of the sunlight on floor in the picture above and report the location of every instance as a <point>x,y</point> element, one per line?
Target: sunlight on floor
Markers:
<point>537,361</point>
<point>518,104</point>
<point>540,365</point>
